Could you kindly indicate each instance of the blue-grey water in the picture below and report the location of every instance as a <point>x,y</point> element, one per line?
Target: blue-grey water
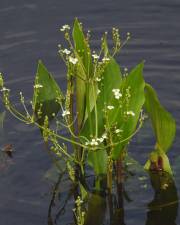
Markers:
<point>29,30</point>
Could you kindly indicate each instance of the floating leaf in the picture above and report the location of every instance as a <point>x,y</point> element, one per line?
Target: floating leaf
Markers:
<point>47,94</point>
<point>163,123</point>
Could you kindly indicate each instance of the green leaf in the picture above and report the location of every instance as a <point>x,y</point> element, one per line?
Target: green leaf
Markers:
<point>84,192</point>
<point>82,47</point>
<point>84,69</point>
<point>98,161</point>
<point>111,78</point>
<point>105,45</point>
<point>135,82</point>
<point>47,94</point>
<point>164,125</point>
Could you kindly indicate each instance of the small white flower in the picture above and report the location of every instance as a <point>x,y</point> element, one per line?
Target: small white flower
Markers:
<point>100,139</point>
<point>104,136</point>
<point>65,27</point>
<point>65,113</point>
<point>73,60</point>
<point>115,90</point>
<point>5,89</point>
<point>118,131</point>
<point>117,93</point>
<point>38,86</point>
<point>86,143</point>
<point>95,56</point>
<point>66,51</point>
<point>98,91</point>
<point>131,113</point>
<point>110,107</point>
<point>98,79</point>
<point>94,142</point>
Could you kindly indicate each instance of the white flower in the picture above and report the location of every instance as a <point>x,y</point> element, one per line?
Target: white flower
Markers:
<point>94,142</point>
<point>117,93</point>
<point>110,107</point>
<point>118,131</point>
<point>5,89</point>
<point>98,91</point>
<point>115,90</point>
<point>95,56</point>
<point>131,113</point>
<point>66,51</point>
<point>98,79</point>
<point>38,86</point>
<point>100,139</point>
<point>104,136</point>
<point>65,27</point>
<point>73,60</point>
<point>65,113</point>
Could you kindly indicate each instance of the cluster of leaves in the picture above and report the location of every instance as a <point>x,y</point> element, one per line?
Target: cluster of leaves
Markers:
<point>102,108</point>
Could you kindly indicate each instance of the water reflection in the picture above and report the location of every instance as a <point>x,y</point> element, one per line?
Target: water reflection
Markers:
<point>163,208</point>
<point>103,208</point>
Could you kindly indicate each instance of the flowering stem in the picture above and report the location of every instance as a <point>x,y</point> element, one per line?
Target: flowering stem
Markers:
<point>95,111</point>
<point>88,107</point>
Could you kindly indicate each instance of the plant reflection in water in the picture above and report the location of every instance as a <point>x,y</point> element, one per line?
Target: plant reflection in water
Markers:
<point>163,208</point>
<point>102,207</point>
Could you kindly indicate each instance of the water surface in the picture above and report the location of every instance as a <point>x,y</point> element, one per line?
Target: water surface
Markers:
<point>29,31</point>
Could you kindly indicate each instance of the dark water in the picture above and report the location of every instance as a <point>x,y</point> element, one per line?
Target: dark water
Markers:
<point>29,31</point>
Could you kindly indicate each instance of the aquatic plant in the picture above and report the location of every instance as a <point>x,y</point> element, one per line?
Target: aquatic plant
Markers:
<point>102,109</point>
